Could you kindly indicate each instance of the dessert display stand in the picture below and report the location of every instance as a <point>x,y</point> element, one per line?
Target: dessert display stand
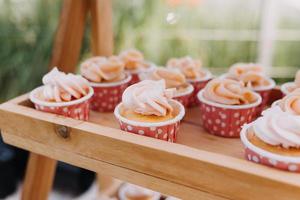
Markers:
<point>198,166</point>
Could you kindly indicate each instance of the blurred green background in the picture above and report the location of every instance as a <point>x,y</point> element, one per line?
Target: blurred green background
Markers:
<point>219,32</point>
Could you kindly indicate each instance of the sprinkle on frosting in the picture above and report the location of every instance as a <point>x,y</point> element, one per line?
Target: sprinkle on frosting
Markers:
<point>291,102</point>
<point>133,59</point>
<point>101,69</point>
<point>61,87</point>
<point>148,98</point>
<point>249,73</point>
<point>173,78</point>
<point>191,68</point>
<point>228,92</point>
<point>276,127</point>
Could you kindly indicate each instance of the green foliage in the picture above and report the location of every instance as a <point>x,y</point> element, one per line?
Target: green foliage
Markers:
<point>27,29</point>
<point>143,24</point>
<point>26,42</point>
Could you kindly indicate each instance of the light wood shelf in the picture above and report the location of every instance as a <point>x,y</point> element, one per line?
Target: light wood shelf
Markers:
<point>198,166</point>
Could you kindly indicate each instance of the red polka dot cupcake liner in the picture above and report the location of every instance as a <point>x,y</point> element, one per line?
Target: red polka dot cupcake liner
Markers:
<point>184,97</point>
<point>261,156</point>
<point>198,85</point>
<point>166,130</point>
<point>226,120</point>
<point>135,78</point>
<point>275,95</point>
<point>265,94</point>
<point>108,95</point>
<point>76,109</point>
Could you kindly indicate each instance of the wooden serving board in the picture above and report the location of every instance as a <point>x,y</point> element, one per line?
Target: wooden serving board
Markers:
<point>198,166</point>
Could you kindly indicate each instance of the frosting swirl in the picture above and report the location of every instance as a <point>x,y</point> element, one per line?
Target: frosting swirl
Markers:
<point>148,98</point>
<point>291,103</point>
<point>133,59</point>
<point>63,87</point>
<point>173,78</point>
<point>100,69</point>
<point>191,68</point>
<point>276,127</point>
<point>249,73</point>
<point>229,92</point>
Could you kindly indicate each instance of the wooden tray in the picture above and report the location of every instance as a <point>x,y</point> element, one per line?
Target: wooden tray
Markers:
<point>199,166</point>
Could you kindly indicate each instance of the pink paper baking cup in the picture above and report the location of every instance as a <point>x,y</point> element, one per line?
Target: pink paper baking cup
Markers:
<point>275,95</point>
<point>284,88</point>
<point>135,78</point>
<point>184,97</point>
<point>76,109</point>
<point>108,95</point>
<point>135,73</point>
<point>261,156</point>
<point>166,130</point>
<point>265,93</point>
<point>198,85</point>
<point>226,120</point>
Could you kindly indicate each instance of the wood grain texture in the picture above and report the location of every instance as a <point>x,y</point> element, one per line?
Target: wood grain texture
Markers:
<point>102,31</point>
<point>38,178</point>
<point>99,166</point>
<point>200,162</point>
<point>69,35</point>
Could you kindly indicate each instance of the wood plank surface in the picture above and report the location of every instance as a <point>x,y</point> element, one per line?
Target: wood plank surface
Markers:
<point>98,166</point>
<point>201,162</point>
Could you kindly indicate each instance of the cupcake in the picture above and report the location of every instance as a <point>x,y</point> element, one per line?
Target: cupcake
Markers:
<point>135,63</point>
<point>193,72</point>
<point>173,79</point>
<point>63,94</point>
<point>290,103</point>
<point>226,105</point>
<point>147,109</point>
<point>289,87</point>
<point>133,192</point>
<point>108,79</point>
<point>252,76</point>
<point>274,140</point>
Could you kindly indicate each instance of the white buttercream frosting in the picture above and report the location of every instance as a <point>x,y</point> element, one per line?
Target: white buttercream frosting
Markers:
<point>100,69</point>
<point>148,97</point>
<point>251,74</point>
<point>63,87</point>
<point>291,102</point>
<point>277,127</point>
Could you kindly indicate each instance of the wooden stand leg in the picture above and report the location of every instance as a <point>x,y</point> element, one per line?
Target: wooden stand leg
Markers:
<point>40,170</point>
<point>39,177</point>
<point>102,32</point>
<point>68,39</point>
<point>102,45</point>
